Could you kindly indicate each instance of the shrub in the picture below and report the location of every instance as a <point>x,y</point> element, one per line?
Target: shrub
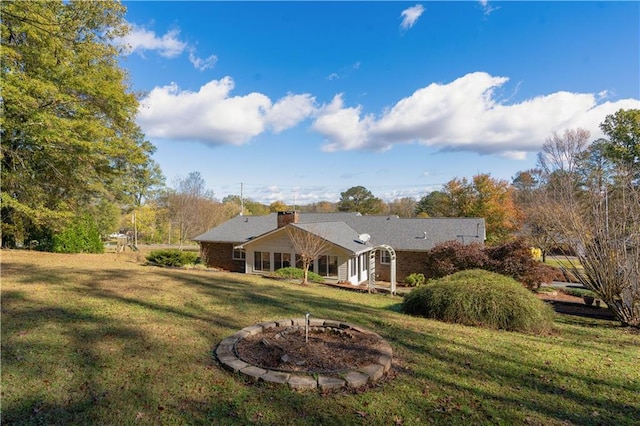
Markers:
<point>477,297</point>
<point>172,257</point>
<point>81,235</point>
<point>512,259</point>
<point>415,280</point>
<point>452,256</point>
<point>298,274</point>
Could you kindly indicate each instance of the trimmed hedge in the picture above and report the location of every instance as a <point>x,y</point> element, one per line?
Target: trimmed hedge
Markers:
<point>480,298</point>
<point>298,274</point>
<point>172,257</point>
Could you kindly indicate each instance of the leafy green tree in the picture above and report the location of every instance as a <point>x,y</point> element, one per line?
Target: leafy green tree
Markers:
<point>434,204</point>
<point>623,131</point>
<point>69,138</point>
<point>360,199</point>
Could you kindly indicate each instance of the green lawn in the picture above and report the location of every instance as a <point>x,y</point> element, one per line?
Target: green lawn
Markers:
<point>101,339</point>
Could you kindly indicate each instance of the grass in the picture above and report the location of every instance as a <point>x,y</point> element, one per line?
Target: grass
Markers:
<point>101,339</point>
<point>560,261</point>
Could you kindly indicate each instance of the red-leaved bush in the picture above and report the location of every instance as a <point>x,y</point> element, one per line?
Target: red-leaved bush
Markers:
<point>512,259</point>
<point>452,256</point>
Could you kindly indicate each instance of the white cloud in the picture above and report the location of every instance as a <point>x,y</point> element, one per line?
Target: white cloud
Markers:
<point>464,115</point>
<point>488,9</point>
<point>410,16</point>
<point>211,115</point>
<point>202,64</point>
<point>344,72</point>
<point>289,111</point>
<point>342,126</point>
<point>141,39</point>
<point>514,155</point>
<point>168,46</point>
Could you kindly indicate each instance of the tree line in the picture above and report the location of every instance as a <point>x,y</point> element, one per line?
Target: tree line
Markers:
<point>74,164</point>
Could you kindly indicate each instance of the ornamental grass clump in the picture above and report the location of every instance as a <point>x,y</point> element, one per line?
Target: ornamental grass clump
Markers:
<point>481,298</point>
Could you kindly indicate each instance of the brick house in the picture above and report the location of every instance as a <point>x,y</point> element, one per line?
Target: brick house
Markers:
<point>259,244</point>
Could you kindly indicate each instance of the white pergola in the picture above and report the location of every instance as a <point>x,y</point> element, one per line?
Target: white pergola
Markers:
<point>372,266</point>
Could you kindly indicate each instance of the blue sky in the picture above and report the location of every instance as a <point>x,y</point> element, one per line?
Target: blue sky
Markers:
<point>300,101</point>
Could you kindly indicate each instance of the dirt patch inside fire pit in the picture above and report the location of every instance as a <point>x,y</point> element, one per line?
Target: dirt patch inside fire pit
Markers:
<point>328,350</point>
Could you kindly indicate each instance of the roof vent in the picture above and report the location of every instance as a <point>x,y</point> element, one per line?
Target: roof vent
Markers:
<point>424,235</point>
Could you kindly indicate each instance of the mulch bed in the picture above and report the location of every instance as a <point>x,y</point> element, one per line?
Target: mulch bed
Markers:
<point>570,305</point>
<point>327,351</point>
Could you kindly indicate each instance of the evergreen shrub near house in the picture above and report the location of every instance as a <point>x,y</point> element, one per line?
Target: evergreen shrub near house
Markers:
<point>81,235</point>
<point>172,257</point>
<point>480,298</point>
<point>415,280</point>
<point>291,272</point>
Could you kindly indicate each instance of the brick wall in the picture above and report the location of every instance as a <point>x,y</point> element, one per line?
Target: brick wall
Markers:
<point>407,262</point>
<point>220,255</point>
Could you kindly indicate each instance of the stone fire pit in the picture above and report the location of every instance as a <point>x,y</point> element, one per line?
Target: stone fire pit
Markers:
<point>335,355</point>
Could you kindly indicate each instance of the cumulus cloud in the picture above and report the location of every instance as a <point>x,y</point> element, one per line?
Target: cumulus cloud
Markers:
<point>212,115</point>
<point>464,114</point>
<point>141,39</point>
<point>410,16</point>
<point>289,111</point>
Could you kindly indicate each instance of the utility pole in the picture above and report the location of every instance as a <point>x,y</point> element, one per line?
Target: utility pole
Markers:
<point>241,200</point>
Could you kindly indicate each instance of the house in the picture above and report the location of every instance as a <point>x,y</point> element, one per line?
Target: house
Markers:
<point>358,247</point>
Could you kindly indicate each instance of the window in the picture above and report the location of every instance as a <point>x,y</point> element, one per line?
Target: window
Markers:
<point>328,266</point>
<point>281,260</point>
<point>261,261</point>
<point>385,257</point>
<point>239,254</point>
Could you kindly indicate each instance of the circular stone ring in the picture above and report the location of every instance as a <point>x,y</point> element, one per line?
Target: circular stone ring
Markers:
<point>355,378</point>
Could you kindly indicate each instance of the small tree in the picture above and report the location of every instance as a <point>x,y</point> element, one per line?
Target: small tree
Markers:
<point>308,246</point>
<point>597,209</point>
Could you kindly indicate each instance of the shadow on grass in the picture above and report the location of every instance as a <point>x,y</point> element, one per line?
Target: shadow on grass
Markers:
<point>470,367</point>
<point>499,383</point>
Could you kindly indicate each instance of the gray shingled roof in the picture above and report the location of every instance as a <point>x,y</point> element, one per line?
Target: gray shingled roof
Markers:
<point>338,233</point>
<point>399,233</point>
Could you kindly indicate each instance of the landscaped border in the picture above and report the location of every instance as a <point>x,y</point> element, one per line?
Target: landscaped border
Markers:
<point>356,378</point>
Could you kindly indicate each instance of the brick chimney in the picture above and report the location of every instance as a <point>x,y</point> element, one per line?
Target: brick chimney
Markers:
<point>285,218</point>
